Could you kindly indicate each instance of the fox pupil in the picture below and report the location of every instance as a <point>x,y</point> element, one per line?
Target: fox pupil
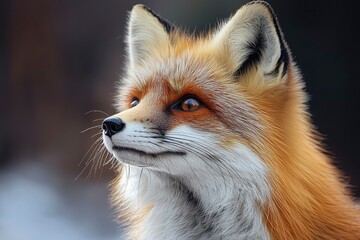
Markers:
<point>134,102</point>
<point>190,105</point>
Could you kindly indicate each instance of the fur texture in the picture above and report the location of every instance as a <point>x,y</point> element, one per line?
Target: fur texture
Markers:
<point>246,164</point>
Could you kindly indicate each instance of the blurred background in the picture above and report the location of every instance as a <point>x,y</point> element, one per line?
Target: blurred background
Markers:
<point>61,59</point>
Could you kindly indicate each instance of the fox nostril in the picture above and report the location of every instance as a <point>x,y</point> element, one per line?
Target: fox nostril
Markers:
<point>104,127</point>
<point>112,126</point>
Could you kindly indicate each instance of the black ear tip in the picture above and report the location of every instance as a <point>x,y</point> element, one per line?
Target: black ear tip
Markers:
<point>267,6</point>
<point>264,3</point>
<point>169,27</point>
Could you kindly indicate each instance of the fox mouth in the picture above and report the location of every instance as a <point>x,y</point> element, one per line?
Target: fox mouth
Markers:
<point>141,158</point>
<point>143,153</point>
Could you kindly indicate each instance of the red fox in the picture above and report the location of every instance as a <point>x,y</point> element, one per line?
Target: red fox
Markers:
<point>214,138</point>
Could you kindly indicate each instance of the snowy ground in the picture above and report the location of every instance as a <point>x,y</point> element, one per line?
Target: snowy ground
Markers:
<point>35,206</point>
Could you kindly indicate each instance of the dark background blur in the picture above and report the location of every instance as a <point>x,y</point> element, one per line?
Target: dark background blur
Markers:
<point>61,59</point>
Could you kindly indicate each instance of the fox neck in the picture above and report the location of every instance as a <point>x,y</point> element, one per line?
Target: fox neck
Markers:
<point>308,198</point>
<point>164,207</point>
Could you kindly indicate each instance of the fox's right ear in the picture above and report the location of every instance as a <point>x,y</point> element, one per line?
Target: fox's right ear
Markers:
<point>147,31</point>
<point>253,39</point>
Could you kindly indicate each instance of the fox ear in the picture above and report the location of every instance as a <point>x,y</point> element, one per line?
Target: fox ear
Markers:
<point>253,38</point>
<point>146,32</point>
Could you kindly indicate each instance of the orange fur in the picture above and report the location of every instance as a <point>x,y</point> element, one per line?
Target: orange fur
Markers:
<point>308,200</point>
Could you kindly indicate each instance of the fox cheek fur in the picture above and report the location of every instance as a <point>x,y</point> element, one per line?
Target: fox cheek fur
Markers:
<point>214,138</point>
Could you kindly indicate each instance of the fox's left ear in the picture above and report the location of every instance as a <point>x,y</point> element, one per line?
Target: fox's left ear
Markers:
<point>253,38</point>
<point>147,31</point>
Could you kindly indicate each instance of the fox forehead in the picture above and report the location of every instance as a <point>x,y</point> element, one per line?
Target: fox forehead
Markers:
<point>167,77</point>
<point>178,70</point>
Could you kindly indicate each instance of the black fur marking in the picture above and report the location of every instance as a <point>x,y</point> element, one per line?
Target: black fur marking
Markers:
<point>284,52</point>
<point>254,57</point>
<point>199,217</point>
<point>169,27</point>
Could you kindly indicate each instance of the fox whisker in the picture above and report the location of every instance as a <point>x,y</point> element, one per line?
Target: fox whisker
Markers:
<point>97,111</point>
<point>90,128</point>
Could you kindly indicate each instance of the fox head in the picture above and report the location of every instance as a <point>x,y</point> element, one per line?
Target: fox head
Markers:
<point>225,114</point>
<point>201,106</point>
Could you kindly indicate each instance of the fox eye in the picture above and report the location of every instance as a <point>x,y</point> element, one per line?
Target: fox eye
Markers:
<point>189,105</point>
<point>135,101</point>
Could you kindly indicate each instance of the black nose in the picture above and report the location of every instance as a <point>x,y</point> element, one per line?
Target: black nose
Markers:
<point>112,125</point>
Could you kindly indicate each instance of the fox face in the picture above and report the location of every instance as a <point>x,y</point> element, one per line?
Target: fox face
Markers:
<point>187,98</point>
<point>215,129</point>
<point>174,122</point>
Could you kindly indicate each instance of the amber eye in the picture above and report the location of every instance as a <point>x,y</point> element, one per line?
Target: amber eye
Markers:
<point>190,105</point>
<point>134,102</point>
